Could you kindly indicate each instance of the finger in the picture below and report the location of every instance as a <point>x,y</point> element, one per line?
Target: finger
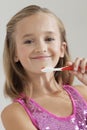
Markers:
<point>83,64</point>
<point>77,63</point>
<point>69,63</point>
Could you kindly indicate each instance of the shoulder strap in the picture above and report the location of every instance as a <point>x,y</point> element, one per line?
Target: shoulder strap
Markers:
<point>75,94</point>
<point>24,105</point>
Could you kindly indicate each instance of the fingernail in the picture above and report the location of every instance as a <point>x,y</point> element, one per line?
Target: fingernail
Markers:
<point>83,71</point>
<point>75,69</point>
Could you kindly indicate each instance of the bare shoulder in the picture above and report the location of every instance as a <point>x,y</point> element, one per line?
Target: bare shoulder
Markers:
<point>82,89</point>
<point>14,117</point>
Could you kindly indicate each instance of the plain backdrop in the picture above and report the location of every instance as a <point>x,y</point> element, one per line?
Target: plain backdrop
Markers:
<point>73,13</point>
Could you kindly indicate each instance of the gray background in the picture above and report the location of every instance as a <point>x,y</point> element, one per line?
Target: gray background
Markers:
<point>73,13</point>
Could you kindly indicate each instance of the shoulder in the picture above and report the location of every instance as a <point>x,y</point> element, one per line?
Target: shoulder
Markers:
<point>82,90</point>
<point>14,117</point>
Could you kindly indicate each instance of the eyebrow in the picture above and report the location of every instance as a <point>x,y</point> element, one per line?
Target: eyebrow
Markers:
<point>28,35</point>
<point>31,34</point>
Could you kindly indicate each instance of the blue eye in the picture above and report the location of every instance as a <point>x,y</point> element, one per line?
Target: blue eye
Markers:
<point>28,41</point>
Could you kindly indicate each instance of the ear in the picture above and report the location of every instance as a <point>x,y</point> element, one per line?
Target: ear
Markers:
<point>16,59</point>
<point>62,49</point>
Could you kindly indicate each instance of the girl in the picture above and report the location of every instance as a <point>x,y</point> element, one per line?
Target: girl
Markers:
<point>36,38</point>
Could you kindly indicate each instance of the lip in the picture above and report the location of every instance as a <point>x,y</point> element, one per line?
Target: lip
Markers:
<point>40,57</point>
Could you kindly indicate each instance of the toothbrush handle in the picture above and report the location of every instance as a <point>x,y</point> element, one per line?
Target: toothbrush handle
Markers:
<point>71,68</point>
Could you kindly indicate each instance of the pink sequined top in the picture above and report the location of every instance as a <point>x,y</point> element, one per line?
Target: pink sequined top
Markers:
<point>44,120</point>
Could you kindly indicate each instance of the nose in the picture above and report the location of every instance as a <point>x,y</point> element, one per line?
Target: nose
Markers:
<point>41,46</point>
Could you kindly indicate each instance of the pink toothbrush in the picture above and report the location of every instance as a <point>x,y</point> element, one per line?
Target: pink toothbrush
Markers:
<point>50,69</point>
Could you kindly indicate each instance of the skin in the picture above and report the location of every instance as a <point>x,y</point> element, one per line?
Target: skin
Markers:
<point>39,38</point>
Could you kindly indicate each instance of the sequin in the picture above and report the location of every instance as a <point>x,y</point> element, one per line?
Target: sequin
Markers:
<point>73,120</point>
<point>76,128</point>
<point>47,128</point>
<point>47,121</point>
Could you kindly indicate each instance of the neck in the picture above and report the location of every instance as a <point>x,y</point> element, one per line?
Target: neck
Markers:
<point>44,85</point>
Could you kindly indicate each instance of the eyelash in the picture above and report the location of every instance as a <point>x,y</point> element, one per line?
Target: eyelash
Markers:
<point>28,41</point>
<point>49,39</point>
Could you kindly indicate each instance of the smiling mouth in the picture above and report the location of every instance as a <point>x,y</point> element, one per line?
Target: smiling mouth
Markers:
<point>41,57</point>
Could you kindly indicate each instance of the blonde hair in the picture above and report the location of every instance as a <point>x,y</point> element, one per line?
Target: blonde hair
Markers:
<point>16,77</point>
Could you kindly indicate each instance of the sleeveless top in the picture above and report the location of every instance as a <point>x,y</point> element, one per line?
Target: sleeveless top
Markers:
<point>44,120</point>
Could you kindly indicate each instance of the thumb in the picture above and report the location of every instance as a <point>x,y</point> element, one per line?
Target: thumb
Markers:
<point>69,63</point>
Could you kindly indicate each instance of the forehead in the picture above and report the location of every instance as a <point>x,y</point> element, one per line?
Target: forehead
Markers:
<point>38,22</point>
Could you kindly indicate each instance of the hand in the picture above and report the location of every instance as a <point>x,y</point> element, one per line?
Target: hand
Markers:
<point>82,73</point>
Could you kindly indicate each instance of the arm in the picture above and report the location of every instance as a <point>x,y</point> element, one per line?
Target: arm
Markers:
<point>14,117</point>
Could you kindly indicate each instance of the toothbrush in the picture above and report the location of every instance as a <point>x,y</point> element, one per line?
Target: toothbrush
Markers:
<point>50,69</point>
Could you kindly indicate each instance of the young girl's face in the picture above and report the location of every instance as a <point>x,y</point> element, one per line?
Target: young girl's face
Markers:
<point>38,42</point>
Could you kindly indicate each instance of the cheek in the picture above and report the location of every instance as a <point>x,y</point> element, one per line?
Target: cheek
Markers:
<point>22,52</point>
<point>56,53</point>
<point>56,49</point>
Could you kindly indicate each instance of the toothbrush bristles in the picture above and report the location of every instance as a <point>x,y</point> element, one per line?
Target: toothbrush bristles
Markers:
<point>47,69</point>
<point>50,69</point>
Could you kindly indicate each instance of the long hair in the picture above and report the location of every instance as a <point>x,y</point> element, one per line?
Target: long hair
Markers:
<point>16,77</point>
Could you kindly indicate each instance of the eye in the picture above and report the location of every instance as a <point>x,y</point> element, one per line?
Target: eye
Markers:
<point>49,39</point>
<point>28,41</point>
